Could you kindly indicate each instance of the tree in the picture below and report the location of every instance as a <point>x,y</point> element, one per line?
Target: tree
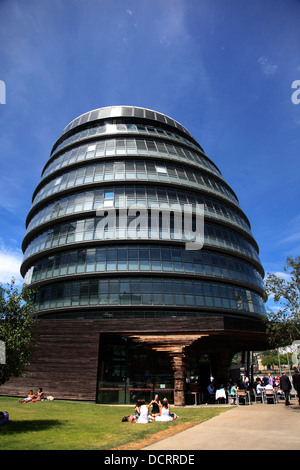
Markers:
<point>270,358</point>
<point>16,319</point>
<point>283,323</point>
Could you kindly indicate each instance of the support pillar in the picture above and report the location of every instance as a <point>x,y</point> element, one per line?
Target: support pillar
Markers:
<point>179,369</point>
<point>174,346</point>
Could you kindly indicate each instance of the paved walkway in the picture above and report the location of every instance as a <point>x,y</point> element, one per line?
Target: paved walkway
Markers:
<point>245,427</point>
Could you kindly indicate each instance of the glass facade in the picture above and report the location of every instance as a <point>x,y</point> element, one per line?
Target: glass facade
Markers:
<point>152,258</point>
<point>124,164</point>
<point>135,146</point>
<point>131,170</point>
<point>147,292</point>
<point>126,197</point>
<point>129,372</point>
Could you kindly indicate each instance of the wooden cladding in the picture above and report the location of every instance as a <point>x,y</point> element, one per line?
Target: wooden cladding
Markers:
<point>65,360</point>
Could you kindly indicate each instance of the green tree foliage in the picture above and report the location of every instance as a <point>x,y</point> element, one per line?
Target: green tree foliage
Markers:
<point>283,324</point>
<point>270,358</point>
<point>16,319</point>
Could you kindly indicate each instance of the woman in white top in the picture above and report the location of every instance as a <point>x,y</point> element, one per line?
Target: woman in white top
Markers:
<point>143,412</point>
<point>164,412</point>
<point>259,388</point>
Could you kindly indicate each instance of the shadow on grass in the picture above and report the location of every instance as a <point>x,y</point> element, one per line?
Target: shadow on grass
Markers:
<point>13,427</point>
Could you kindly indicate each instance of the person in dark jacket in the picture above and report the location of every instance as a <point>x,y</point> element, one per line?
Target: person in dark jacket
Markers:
<point>296,383</point>
<point>285,386</point>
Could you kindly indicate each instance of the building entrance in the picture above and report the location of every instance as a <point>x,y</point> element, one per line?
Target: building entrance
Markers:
<point>198,377</point>
<point>129,371</point>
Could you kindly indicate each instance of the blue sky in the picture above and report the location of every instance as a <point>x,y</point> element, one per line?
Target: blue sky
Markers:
<point>223,69</point>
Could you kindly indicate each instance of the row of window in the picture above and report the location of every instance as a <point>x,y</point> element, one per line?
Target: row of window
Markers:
<point>130,129</point>
<point>133,170</point>
<point>142,258</point>
<point>142,291</point>
<point>130,147</point>
<point>125,111</point>
<point>127,196</point>
<point>117,313</point>
<point>92,229</point>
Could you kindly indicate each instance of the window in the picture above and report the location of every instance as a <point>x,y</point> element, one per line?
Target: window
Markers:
<point>160,168</point>
<point>108,199</point>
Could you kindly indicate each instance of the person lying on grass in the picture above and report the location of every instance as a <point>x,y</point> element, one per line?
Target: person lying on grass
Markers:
<point>29,397</point>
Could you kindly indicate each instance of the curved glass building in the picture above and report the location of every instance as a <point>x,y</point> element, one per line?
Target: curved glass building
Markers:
<point>132,222</point>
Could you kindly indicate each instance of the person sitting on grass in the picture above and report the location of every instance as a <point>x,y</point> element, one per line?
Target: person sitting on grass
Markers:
<point>137,409</point>
<point>156,406</point>
<point>39,395</point>
<point>143,411</point>
<point>165,412</point>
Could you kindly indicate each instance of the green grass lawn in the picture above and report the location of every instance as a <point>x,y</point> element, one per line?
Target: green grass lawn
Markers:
<point>66,425</point>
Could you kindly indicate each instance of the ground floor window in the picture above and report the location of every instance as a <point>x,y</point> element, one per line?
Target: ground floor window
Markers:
<point>129,371</point>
